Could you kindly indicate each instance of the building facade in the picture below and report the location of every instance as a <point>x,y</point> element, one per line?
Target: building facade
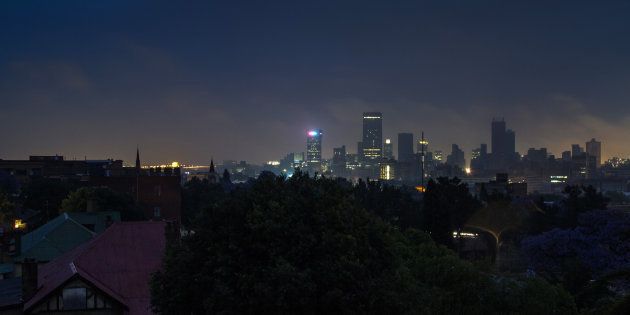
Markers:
<point>314,148</point>
<point>372,144</point>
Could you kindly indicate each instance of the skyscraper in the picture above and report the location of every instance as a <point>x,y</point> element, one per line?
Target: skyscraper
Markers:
<point>510,143</point>
<point>438,156</point>
<point>314,147</point>
<point>576,150</point>
<point>339,161</point>
<point>566,156</point>
<point>388,149</point>
<point>503,145</point>
<point>479,158</point>
<point>405,147</point>
<point>456,157</point>
<point>594,148</point>
<point>498,137</point>
<point>372,143</point>
<point>387,170</point>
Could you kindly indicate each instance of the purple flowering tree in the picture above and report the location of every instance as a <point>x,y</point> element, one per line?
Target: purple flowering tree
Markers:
<point>599,245</point>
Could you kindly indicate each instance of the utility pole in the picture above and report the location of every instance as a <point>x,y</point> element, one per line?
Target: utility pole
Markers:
<point>422,160</point>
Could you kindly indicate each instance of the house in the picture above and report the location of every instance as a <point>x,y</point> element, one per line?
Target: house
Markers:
<point>61,235</point>
<point>107,275</point>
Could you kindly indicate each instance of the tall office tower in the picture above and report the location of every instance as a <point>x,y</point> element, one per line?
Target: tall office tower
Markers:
<point>566,156</point>
<point>360,151</point>
<point>298,159</point>
<point>388,149</point>
<point>498,137</point>
<point>510,143</point>
<point>479,158</point>
<point>476,153</point>
<point>423,144</point>
<point>503,145</point>
<point>314,147</point>
<point>456,157</point>
<point>576,150</point>
<point>372,137</point>
<point>594,148</point>
<point>483,150</point>
<point>287,162</point>
<point>405,147</point>
<point>387,170</point>
<point>438,156</point>
<point>339,161</point>
<point>538,156</point>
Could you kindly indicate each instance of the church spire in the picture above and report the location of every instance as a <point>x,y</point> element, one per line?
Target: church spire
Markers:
<point>213,177</point>
<point>138,160</point>
<point>138,166</point>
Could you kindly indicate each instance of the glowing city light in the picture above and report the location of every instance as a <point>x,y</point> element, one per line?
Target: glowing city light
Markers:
<point>18,224</point>
<point>464,234</point>
<point>313,133</point>
<point>175,164</point>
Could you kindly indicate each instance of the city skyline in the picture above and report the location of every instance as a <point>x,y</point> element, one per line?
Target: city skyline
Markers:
<point>315,152</point>
<point>247,80</point>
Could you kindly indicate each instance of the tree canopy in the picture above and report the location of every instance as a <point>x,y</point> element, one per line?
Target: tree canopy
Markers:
<point>587,260</point>
<point>448,205</point>
<point>304,245</point>
<point>101,199</point>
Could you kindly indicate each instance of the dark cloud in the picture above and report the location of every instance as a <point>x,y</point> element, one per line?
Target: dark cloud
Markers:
<point>246,79</point>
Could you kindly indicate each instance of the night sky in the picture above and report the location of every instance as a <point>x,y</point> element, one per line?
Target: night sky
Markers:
<point>188,80</point>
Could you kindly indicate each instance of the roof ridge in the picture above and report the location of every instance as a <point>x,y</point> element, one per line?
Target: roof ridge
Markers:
<point>69,218</point>
<point>44,229</point>
<point>83,273</point>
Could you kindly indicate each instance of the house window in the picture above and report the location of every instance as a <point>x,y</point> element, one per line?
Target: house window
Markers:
<point>74,298</point>
<point>157,212</point>
<point>158,190</point>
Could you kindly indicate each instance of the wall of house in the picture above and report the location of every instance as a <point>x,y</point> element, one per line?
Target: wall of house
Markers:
<point>100,303</point>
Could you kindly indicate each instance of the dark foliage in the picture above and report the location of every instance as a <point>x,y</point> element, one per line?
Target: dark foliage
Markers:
<point>587,260</point>
<point>198,195</point>
<point>102,199</point>
<point>46,195</point>
<point>306,246</point>
<point>447,207</point>
<point>578,200</point>
<point>395,205</point>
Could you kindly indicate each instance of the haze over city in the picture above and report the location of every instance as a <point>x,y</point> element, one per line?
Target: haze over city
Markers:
<point>246,80</point>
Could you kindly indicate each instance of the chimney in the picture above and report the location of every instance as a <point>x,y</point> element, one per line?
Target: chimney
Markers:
<point>29,278</point>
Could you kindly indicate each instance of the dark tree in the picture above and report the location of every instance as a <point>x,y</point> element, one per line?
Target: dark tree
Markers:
<point>46,195</point>
<point>589,260</point>
<point>198,195</point>
<point>102,199</point>
<point>395,205</point>
<point>447,207</point>
<point>305,246</point>
<point>578,200</point>
<point>226,177</point>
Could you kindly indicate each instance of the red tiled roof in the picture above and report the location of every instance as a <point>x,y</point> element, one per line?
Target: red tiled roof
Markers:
<point>119,262</point>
